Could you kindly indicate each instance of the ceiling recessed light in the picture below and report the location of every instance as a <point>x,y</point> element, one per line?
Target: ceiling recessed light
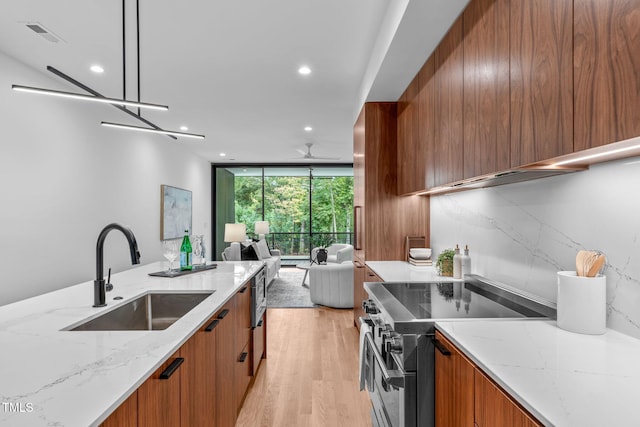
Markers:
<point>308,128</point>
<point>184,128</point>
<point>97,69</point>
<point>223,154</point>
<point>304,70</point>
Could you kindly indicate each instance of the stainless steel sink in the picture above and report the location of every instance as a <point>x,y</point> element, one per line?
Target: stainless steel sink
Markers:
<point>149,312</point>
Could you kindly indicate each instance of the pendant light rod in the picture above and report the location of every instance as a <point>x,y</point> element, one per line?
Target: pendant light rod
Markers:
<point>161,131</point>
<point>138,45</point>
<point>71,95</point>
<point>96,93</point>
<point>124,51</point>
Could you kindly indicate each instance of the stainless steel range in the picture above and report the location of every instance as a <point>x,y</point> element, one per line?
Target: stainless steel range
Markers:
<point>397,359</point>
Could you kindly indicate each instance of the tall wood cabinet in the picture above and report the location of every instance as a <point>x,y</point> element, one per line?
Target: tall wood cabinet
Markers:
<point>606,71</point>
<point>382,218</point>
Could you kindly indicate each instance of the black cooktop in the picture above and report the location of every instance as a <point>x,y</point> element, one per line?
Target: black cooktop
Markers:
<point>476,297</point>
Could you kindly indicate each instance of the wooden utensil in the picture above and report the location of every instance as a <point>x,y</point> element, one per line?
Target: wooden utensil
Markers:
<point>596,265</point>
<point>581,262</point>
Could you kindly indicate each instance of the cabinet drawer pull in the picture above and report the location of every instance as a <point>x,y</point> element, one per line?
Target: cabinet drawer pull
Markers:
<point>441,347</point>
<point>223,314</point>
<point>243,357</point>
<point>259,325</point>
<point>212,325</point>
<point>243,290</point>
<point>171,368</point>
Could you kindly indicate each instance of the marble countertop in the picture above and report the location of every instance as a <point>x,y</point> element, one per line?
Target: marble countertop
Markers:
<point>53,377</point>
<point>562,378</point>
<point>402,271</point>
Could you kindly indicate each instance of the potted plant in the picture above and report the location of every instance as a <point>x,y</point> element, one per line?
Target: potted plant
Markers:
<point>445,263</point>
<point>322,241</point>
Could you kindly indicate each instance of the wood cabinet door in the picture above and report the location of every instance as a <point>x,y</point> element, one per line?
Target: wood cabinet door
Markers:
<point>454,386</point>
<point>243,370</point>
<point>448,130</point>
<point>359,294</point>
<point>198,388</point>
<point>541,80</point>
<point>493,408</point>
<point>606,71</point>
<point>370,276</point>
<point>225,403</point>
<point>415,132</point>
<point>358,184</point>
<point>126,415</point>
<point>486,87</point>
<point>159,396</point>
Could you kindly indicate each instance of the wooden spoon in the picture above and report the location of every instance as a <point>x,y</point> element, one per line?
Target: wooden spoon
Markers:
<point>596,266</point>
<point>581,262</point>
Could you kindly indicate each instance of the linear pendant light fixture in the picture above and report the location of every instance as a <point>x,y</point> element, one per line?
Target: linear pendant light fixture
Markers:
<point>143,129</point>
<point>120,104</point>
<point>91,98</point>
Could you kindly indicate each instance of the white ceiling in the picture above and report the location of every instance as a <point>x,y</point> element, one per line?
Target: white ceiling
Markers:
<point>228,70</point>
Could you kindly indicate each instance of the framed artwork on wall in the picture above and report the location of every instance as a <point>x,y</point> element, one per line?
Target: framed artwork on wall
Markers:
<point>175,212</point>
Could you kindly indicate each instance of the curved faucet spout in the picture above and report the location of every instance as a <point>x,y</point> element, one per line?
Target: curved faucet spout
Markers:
<point>99,297</point>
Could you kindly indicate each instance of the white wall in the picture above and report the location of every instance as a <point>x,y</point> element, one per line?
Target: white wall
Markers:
<point>64,177</point>
<point>522,234</point>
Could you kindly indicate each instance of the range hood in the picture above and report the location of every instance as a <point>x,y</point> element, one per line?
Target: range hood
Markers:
<point>526,173</point>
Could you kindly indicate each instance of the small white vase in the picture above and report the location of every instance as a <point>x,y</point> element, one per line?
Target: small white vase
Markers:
<point>582,303</point>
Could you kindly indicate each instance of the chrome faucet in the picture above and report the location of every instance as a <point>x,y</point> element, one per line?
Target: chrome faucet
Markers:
<point>99,286</point>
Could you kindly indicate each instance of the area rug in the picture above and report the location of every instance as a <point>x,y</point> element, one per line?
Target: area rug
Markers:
<point>287,291</point>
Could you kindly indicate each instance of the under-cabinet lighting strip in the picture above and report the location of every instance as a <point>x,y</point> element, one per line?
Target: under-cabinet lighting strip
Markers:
<point>593,156</point>
<point>92,98</point>
<point>160,131</point>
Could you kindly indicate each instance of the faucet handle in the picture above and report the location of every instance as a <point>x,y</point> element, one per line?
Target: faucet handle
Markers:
<point>109,286</point>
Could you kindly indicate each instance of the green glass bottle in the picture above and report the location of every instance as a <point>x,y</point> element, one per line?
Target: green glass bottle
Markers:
<point>185,252</point>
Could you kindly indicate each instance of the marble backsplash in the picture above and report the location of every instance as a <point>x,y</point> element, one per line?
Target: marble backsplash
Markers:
<point>522,234</point>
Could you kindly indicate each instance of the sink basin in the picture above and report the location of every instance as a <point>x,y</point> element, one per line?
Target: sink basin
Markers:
<point>149,312</point>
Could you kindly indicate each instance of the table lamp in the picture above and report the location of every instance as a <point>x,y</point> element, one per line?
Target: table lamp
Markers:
<point>261,228</point>
<point>234,234</point>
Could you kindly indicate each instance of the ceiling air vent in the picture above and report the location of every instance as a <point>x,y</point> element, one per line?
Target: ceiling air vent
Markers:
<point>40,29</point>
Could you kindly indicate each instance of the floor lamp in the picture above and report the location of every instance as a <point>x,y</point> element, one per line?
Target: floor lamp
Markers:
<point>234,234</point>
<point>261,228</point>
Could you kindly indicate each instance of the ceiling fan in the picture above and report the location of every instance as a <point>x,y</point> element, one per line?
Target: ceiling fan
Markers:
<point>307,154</point>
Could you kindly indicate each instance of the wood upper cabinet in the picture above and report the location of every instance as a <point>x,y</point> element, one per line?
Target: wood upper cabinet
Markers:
<point>415,132</point>
<point>465,396</point>
<point>454,386</point>
<point>606,71</point>
<point>448,123</point>
<point>541,80</point>
<point>486,87</point>
<point>159,396</point>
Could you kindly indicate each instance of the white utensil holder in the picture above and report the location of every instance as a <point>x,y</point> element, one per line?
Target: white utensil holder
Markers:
<point>582,303</point>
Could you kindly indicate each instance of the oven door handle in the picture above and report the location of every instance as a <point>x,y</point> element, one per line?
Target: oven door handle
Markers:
<point>393,377</point>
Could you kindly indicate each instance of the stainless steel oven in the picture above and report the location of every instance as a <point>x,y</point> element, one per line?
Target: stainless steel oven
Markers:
<point>397,348</point>
<point>258,296</point>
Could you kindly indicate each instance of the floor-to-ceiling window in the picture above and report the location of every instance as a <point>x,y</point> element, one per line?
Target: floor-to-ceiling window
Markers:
<point>306,206</point>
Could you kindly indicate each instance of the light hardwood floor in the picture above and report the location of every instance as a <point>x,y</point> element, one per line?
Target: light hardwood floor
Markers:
<point>310,376</point>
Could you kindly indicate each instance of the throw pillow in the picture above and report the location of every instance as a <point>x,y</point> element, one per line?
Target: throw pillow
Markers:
<point>263,249</point>
<point>248,253</point>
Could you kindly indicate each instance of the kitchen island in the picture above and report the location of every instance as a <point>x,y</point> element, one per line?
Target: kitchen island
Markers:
<point>562,378</point>
<point>51,376</point>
